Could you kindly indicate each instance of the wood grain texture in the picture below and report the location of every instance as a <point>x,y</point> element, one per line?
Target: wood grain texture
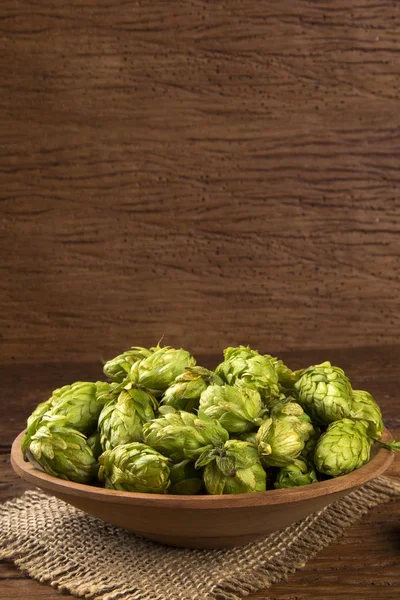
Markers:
<point>361,565</point>
<point>214,172</point>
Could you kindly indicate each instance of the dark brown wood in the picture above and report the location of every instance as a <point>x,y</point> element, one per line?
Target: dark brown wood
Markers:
<point>212,172</point>
<point>364,563</point>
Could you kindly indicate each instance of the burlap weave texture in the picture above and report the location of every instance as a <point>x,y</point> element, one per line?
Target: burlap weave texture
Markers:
<point>58,544</point>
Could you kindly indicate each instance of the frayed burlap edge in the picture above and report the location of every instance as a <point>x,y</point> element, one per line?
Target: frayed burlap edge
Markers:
<point>237,572</point>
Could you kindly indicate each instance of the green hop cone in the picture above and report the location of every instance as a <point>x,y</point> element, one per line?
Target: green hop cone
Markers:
<point>325,393</point>
<point>183,435</point>
<point>81,404</point>
<point>185,393</point>
<point>364,407</point>
<point>159,370</point>
<point>62,451</point>
<point>134,467</point>
<point>248,436</point>
<point>33,423</point>
<point>253,369</point>
<point>286,377</point>
<point>94,444</point>
<point>117,368</point>
<point>122,419</point>
<point>294,413</point>
<point>233,468</point>
<point>104,390</point>
<point>309,447</point>
<point>343,447</point>
<point>238,408</point>
<point>166,409</point>
<point>299,472</point>
<point>185,478</point>
<point>279,441</point>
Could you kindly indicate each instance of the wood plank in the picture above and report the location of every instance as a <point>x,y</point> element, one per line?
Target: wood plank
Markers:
<point>166,165</point>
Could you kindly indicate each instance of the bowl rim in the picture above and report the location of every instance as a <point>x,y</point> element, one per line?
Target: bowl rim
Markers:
<point>375,467</point>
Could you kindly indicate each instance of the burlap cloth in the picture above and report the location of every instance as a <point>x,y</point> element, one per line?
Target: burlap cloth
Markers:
<point>58,544</point>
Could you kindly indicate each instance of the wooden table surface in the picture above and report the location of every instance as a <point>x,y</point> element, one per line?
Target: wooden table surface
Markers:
<point>364,563</point>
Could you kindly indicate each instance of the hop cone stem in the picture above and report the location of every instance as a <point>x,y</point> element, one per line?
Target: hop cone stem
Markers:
<point>393,446</point>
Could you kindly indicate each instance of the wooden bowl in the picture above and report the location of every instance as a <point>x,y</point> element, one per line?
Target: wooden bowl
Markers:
<point>202,521</point>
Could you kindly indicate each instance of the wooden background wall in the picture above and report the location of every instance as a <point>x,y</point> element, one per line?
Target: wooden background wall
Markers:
<point>214,172</point>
